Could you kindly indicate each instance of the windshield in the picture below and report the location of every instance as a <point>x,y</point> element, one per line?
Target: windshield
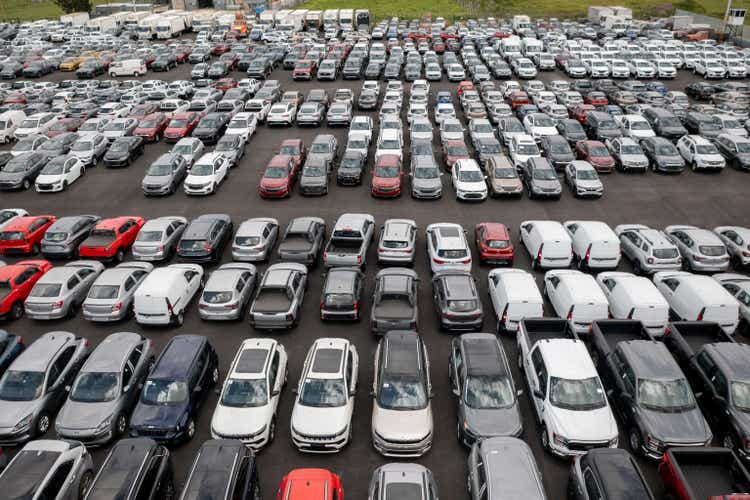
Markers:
<point>666,150</point>
<point>164,392</point>
<point>55,167</point>
<point>323,393</point>
<point>55,237</point>
<point>709,125</point>
<point>390,144</point>
<point>598,151</point>
<point>707,149</point>
<point>470,176</point>
<point>201,169</point>
<point>276,172</point>
<point>350,162</point>
<point>665,394</point>
<point>528,149</point>
<point>21,386</point>
<point>183,149</point>
<point>559,148</point>
<point>30,124</point>
<point>402,393</point>
<point>104,292</point>
<point>631,150</point>
<point>95,387</point>
<point>25,145</point>
<point>578,395</point>
<point>245,393</point>
<point>488,391</point>
<point>458,151</point>
<point>149,236</point>
<point>586,175</point>
<point>314,171</point>
<point>208,123</point>
<point>15,166</point>
<point>178,123</point>
<point>543,121</point>
<point>89,127</point>
<point>158,169</point>
<point>426,173</point>
<point>81,146</point>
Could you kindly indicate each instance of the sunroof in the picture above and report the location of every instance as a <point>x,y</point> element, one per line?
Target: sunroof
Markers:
<point>449,232</point>
<point>252,361</point>
<point>327,361</point>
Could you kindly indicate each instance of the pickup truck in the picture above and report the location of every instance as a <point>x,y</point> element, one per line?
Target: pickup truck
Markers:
<point>704,473</point>
<point>111,238</point>
<point>303,240</point>
<point>350,239</point>
<point>711,359</point>
<point>394,303</point>
<point>647,389</point>
<point>566,393</point>
<point>278,303</point>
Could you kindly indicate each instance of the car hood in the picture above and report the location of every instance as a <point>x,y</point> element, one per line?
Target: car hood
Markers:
<point>591,425</point>
<point>411,425</point>
<point>493,422</point>
<point>471,186</point>
<point>425,183</point>
<point>686,427</point>
<point>13,177</point>
<point>116,155</point>
<point>632,158</point>
<point>545,184</point>
<point>75,415</point>
<point>11,412</point>
<point>588,183</point>
<point>509,183</point>
<point>669,158</point>
<point>45,179</point>
<point>157,416</point>
<point>386,181</point>
<point>157,179</point>
<point>266,182</point>
<point>199,179</point>
<point>319,421</point>
<point>562,156</point>
<point>239,421</point>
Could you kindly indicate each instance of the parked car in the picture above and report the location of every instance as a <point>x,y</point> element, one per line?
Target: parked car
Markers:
<point>204,238</point>
<point>701,249</point>
<point>278,300</point>
<point>111,238</point>
<point>498,464</point>
<point>161,299</point>
<point>397,242</point>
<point>649,250</point>
<point>540,178</point>
<point>303,240</point>
<point>62,238</point>
<point>23,235</point>
<point>299,482</point>
<point>227,292</point>
<point>123,151</point>
<point>62,290</point>
<point>607,473</point>
<point>164,175</point>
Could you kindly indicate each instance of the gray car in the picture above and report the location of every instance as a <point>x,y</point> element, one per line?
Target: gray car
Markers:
<point>313,179</point>
<point>157,240</point>
<point>110,298</point>
<point>255,238</point>
<point>701,249</point>
<point>394,301</point>
<point>303,240</point>
<point>324,146</point>
<point>232,147</point>
<point>33,387</point>
<point>482,383</point>
<point>398,481</point>
<point>426,182</point>
<point>628,154</point>
<point>310,113</point>
<point>58,145</point>
<point>557,150</point>
<point>540,179</point>
<point>165,174</point>
<point>227,292</point>
<point>457,300</point>
<point>21,171</point>
<point>501,464</point>
<point>105,390</point>
<point>62,238</point>
<point>662,155</point>
<point>278,303</point>
<point>62,290</point>
<point>486,148</point>
<point>339,114</point>
<point>351,168</point>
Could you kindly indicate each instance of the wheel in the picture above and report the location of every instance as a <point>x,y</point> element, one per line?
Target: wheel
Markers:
<point>17,310</point>
<point>169,491</point>
<point>85,484</point>
<point>120,255</point>
<point>180,319</point>
<point>191,429</point>
<point>634,438</point>
<point>26,184</point>
<point>215,376</point>
<point>121,425</point>
<point>65,185</point>
<point>520,361</point>
<point>272,430</point>
<point>637,269</point>
<point>545,438</point>
<point>35,249</point>
<point>727,441</point>
<point>42,424</point>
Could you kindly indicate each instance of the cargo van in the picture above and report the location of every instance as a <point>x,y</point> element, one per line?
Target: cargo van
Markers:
<point>635,297</point>
<point>595,244</point>
<point>165,294</point>
<point>576,296</point>
<point>128,67</point>
<point>547,242</point>
<point>9,122</point>
<point>695,297</point>
<point>515,296</point>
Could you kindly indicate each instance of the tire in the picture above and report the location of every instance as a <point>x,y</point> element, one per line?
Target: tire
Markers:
<point>190,429</point>
<point>179,319</point>
<point>26,184</point>
<point>17,310</point>
<point>85,484</point>
<point>728,441</point>
<point>120,255</point>
<point>637,269</point>
<point>35,249</point>
<point>215,376</point>
<point>635,442</point>
<point>65,185</point>
<point>43,423</point>
<point>544,438</point>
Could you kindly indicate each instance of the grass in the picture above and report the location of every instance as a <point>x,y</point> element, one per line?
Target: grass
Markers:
<point>30,10</point>
<point>405,9</point>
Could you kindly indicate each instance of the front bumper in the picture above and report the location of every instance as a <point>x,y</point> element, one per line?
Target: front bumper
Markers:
<point>11,437</point>
<point>427,195</point>
<point>198,190</point>
<point>253,441</point>
<point>401,449</point>
<point>87,437</point>
<point>320,444</point>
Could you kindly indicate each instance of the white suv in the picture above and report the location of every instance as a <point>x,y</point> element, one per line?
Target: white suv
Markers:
<point>250,395</point>
<point>468,181</point>
<point>447,247</point>
<point>322,413</point>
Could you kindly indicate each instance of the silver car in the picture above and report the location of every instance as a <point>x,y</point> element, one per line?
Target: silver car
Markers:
<point>105,390</point>
<point>501,464</point>
<point>110,298</point>
<point>62,289</point>
<point>33,387</point>
<point>255,238</point>
<point>340,113</point>
<point>48,469</point>
<point>701,249</point>
<point>397,243</point>
<point>62,238</point>
<point>393,481</point>
<point>649,250</point>
<point>189,148</point>
<point>583,180</point>
<point>426,182</point>
<point>231,147</point>
<point>157,240</point>
<point>228,291</point>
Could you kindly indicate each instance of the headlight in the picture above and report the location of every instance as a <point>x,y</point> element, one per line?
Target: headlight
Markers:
<point>560,441</point>
<point>24,422</point>
<point>653,443</point>
<point>105,424</point>
<point>612,442</point>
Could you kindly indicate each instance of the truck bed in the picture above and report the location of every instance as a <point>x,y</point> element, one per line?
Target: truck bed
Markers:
<point>272,300</point>
<point>393,309</point>
<point>698,333</point>
<point>344,246</point>
<point>616,331</point>
<point>96,240</point>
<point>709,472</point>
<point>547,328</point>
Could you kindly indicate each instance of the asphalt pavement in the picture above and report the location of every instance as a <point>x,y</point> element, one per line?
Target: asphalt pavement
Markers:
<point>705,200</point>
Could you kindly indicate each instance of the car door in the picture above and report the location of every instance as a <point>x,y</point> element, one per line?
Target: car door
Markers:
<point>60,375</point>
<point>713,392</point>
<point>551,284</point>
<point>193,283</point>
<point>203,369</point>
<point>621,388</point>
<point>536,377</point>
<point>455,372</point>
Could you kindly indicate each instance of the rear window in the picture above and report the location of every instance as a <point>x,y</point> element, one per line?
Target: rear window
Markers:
<point>712,250</point>
<point>395,244</point>
<point>452,254</point>
<point>462,305</point>
<point>665,253</point>
<point>499,244</point>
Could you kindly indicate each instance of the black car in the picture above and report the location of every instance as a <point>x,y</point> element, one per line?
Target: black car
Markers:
<point>572,130</point>
<point>665,123</point>
<point>217,70</point>
<point>211,127</point>
<point>135,469</point>
<point>223,469</point>
<point>90,69</point>
<point>205,238</point>
<point>662,155</point>
<point>607,474</point>
<point>342,294</point>
<point>58,145</point>
<point>457,301</point>
<point>164,62</point>
<point>21,171</point>
<point>702,124</point>
<point>37,69</point>
<point>736,150</point>
<point>353,68</point>
<point>700,91</point>
<point>174,391</point>
<point>351,168</point>
<point>647,388</point>
<point>719,372</point>
<point>123,151</point>
<point>556,149</point>
<point>259,68</point>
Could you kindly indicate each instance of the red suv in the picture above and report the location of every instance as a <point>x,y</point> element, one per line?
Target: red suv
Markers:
<point>152,126</point>
<point>386,177</point>
<point>296,149</point>
<point>181,125</point>
<point>494,244</point>
<point>111,238</point>
<point>453,151</point>
<point>278,177</point>
<point>24,234</point>
<point>310,484</point>
<point>597,154</point>
<point>16,282</point>
<point>304,69</point>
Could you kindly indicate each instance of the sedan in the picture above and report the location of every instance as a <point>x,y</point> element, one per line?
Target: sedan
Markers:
<point>152,126</point>
<point>164,175</point>
<point>157,239</point>
<point>62,290</point>
<point>123,151</point>
<point>339,114</point>
<point>110,297</point>
<point>181,125</point>
<point>311,113</point>
<point>119,127</point>
<point>232,148</point>
<point>58,174</point>
<point>206,175</point>
<point>227,292</point>
<point>282,114</point>
<point>190,149</point>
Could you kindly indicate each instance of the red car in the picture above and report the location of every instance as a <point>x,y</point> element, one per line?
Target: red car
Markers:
<point>23,235</point>
<point>464,86</point>
<point>518,98</point>
<point>310,484</point>
<point>296,149</point>
<point>230,58</point>
<point>579,112</point>
<point>278,177</point>
<point>15,98</point>
<point>453,151</point>
<point>152,126</point>
<point>304,69</point>
<point>224,84</point>
<point>64,125</point>
<point>16,282</point>
<point>597,154</point>
<point>386,177</point>
<point>140,111</point>
<point>494,243</point>
<point>220,48</point>
<point>181,125</point>
<point>596,98</point>
<point>111,238</point>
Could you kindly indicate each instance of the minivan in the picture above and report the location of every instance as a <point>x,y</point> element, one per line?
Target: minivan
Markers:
<point>576,296</point>
<point>694,297</point>
<point>595,245</point>
<point>635,297</point>
<point>515,296</point>
<point>163,296</point>
<point>9,122</point>
<point>547,242</point>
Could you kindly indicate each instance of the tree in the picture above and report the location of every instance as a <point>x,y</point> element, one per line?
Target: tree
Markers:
<point>69,6</point>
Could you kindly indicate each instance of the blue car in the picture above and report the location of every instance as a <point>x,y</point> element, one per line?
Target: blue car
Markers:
<point>657,87</point>
<point>10,347</point>
<point>175,390</point>
<point>444,97</point>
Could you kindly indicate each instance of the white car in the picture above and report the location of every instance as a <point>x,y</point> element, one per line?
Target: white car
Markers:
<point>538,125</point>
<point>597,68</point>
<point>521,148</point>
<point>190,148</point>
<point>250,394</point>
<point>641,68</point>
<point>619,69</point>
<point>635,126</point>
<point>251,84</point>
<point>709,68</point>
<point>113,110</point>
<point>583,179</point>
<point>390,142</point>
<point>170,107</point>
<point>243,124</point>
<point>447,247</point>
<point>665,69</point>
<point>456,73</point>
<point>283,113</point>
<point>324,404</point>
<point>421,129</point>
<point>207,174</point>
<point>89,149</point>
<point>444,111</point>
<point>415,112</point>
<point>38,123</point>
<point>524,68</point>
<point>119,127</point>
<point>58,174</point>
<point>468,181</point>
<point>362,124</point>
<point>260,107</point>
<point>700,153</point>
<point>739,286</point>
<point>737,241</point>
<point>92,126</point>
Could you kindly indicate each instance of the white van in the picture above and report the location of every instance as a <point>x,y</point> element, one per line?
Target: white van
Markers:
<point>595,245</point>
<point>128,67</point>
<point>165,294</point>
<point>547,242</point>
<point>515,296</point>
<point>576,296</point>
<point>695,297</point>
<point>9,122</point>
<point>635,297</point>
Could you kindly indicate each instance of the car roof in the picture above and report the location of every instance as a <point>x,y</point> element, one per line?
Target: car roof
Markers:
<point>110,355</point>
<point>650,359</point>
<point>38,355</point>
<point>341,280</point>
<point>623,477</point>
<point>251,360</point>
<point>328,357</point>
<point>567,358</point>
<point>402,353</point>
<point>177,359</point>
<point>483,355</point>
<point>733,357</point>
<point>510,468</point>
<point>496,231</point>
<point>67,223</point>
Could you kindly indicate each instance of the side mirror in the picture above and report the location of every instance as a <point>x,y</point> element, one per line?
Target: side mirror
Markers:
<point>538,394</point>
<point>276,392</point>
<point>519,393</point>
<point>198,388</point>
<point>295,391</point>
<point>67,388</point>
<point>124,389</point>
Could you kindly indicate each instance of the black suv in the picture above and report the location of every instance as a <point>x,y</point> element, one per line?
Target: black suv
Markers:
<point>224,469</point>
<point>205,238</point>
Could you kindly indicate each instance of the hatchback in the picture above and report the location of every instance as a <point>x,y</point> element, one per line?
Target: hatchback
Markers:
<point>227,292</point>
<point>62,290</point>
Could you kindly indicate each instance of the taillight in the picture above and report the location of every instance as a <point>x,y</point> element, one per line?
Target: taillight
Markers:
<point>58,304</point>
<point>117,306</point>
<point>19,340</point>
<point>630,314</point>
<point>570,313</point>
<point>588,254</point>
<point>504,317</point>
<point>409,250</point>
<point>359,259</point>
<point>438,261</point>
<point>207,246</point>
<point>466,261</point>
<point>230,306</point>
<point>539,253</point>
<point>355,306</point>
<point>700,314</point>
